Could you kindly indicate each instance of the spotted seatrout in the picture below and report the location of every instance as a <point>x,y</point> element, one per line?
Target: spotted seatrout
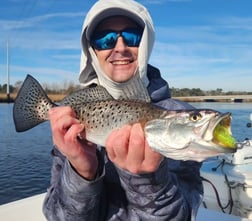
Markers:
<point>182,135</point>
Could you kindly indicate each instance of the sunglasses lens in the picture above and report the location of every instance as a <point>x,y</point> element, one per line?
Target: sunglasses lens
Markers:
<point>132,37</point>
<point>104,40</point>
<point>107,39</point>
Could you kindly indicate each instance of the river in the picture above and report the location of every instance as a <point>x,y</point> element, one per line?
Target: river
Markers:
<point>25,159</point>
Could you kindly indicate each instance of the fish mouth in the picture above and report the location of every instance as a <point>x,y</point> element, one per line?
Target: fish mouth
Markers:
<point>221,134</point>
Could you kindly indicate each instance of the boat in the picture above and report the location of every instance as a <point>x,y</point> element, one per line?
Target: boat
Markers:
<point>30,209</point>
<point>227,182</point>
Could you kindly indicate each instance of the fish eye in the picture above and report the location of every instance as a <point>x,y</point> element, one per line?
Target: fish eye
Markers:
<point>195,117</point>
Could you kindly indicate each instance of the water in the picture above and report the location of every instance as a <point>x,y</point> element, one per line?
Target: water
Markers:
<point>25,159</point>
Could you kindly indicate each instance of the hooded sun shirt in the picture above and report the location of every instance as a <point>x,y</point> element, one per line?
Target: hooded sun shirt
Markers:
<point>90,70</point>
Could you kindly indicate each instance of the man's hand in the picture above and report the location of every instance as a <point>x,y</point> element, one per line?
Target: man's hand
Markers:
<point>65,133</point>
<point>129,150</point>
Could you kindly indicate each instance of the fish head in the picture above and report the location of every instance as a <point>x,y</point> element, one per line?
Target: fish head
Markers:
<point>191,134</point>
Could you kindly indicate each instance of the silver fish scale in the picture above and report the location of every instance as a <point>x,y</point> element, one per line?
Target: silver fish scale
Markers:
<point>112,114</point>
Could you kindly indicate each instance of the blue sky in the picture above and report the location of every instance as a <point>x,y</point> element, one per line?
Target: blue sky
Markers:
<point>203,44</point>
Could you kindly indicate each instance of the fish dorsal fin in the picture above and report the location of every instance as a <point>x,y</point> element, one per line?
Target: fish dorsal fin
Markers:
<point>136,99</point>
<point>87,95</point>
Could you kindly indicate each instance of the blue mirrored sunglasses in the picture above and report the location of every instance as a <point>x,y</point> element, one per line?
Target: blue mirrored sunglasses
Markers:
<point>107,39</point>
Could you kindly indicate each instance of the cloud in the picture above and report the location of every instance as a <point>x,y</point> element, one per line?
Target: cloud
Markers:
<point>206,51</point>
<point>43,46</point>
<point>161,2</point>
<point>46,40</point>
<point>10,25</point>
<point>206,56</point>
<point>43,74</point>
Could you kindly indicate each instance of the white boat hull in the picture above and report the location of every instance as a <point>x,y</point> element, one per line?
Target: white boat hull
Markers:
<point>232,183</point>
<point>30,209</point>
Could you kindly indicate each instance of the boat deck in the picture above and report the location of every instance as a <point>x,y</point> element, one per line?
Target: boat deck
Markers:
<point>30,209</point>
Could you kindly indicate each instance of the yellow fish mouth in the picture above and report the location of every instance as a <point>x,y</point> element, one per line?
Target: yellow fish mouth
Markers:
<point>222,135</point>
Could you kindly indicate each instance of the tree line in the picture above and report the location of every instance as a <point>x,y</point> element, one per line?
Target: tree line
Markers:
<point>50,88</point>
<point>68,87</point>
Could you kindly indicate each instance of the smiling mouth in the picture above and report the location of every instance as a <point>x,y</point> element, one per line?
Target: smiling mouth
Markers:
<point>121,62</point>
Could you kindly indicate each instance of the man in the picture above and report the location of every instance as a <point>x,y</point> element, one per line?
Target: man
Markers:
<point>126,180</point>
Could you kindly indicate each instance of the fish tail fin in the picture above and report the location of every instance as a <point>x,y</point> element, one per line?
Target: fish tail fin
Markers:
<point>31,105</point>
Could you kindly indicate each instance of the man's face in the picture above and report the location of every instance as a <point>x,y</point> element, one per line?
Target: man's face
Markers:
<point>120,62</point>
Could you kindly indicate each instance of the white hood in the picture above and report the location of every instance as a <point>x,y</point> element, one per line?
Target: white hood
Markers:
<point>90,72</point>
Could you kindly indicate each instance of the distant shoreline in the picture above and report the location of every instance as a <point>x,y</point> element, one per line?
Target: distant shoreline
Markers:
<point>218,98</point>
<point>224,98</point>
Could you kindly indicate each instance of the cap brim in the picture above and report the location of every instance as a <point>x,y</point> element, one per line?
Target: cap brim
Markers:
<point>109,13</point>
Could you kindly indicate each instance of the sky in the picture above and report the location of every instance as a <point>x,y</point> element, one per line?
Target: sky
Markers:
<point>204,44</point>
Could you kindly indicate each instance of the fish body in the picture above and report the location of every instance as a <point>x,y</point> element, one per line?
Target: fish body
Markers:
<point>179,134</point>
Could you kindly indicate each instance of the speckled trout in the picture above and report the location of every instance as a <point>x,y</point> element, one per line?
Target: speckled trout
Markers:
<point>178,134</point>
